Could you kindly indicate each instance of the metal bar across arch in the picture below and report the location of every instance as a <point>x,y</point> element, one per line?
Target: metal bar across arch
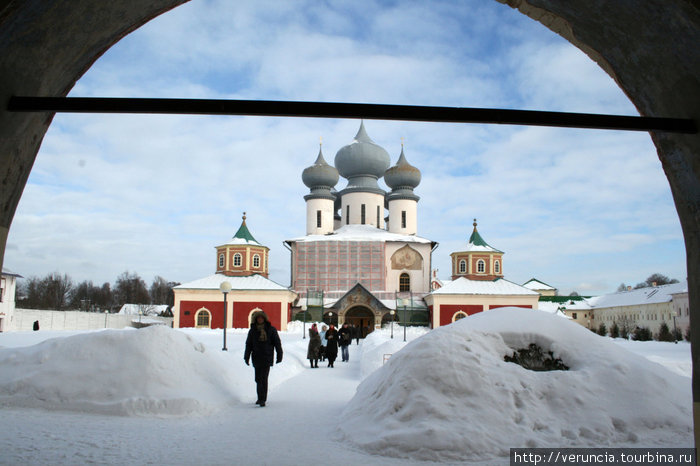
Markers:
<point>350,110</point>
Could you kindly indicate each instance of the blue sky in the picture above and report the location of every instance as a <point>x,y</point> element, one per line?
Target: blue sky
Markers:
<point>578,209</point>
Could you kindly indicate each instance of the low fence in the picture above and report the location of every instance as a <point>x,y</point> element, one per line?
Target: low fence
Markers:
<point>78,320</point>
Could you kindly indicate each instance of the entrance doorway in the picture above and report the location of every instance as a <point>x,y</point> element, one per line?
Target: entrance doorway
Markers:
<point>362,318</point>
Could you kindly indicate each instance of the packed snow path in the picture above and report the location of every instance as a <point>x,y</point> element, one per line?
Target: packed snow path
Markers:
<point>298,426</point>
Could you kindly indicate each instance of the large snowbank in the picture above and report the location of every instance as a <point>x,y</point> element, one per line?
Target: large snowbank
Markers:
<point>449,395</point>
<point>154,370</point>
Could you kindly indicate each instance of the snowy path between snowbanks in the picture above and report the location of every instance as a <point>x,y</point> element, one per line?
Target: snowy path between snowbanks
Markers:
<point>450,396</point>
<point>300,425</point>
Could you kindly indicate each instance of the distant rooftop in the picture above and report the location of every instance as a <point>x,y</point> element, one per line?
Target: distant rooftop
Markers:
<point>535,284</point>
<point>648,295</point>
<point>499,286</point>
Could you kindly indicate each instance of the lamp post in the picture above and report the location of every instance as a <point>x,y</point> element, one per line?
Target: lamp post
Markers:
<point>330,318</point>
<point>392,312</point>
<point>225,287</point>
<point>404,321</point>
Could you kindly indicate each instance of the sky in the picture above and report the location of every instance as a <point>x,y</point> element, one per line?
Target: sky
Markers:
<point>580,210</point>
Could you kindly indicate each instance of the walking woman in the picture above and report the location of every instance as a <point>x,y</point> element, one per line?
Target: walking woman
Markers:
<point>262,343</point>
<point>314,346</point>
<point>332,345</point>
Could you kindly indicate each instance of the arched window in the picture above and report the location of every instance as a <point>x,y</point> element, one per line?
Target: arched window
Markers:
<point>221,260</point>
<point>462,266</point>
<point>497,266</point>
<point>404,282</point>
<point>459,315</point>
<point>480,266</point>
<point>202,319</point>
<point>237,260</point>
<point>256,261</point>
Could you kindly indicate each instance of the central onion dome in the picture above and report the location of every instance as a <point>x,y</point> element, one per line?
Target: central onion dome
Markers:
<point>320,175</point>
<point>362,162</point>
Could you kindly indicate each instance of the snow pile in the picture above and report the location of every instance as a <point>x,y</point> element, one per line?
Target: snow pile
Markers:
<point>379,347</point>
<point>155,370</point>
<point>450,395</point>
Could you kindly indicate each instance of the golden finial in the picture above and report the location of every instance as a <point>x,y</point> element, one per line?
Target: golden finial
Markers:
<point>320,140</point>
<point>402,142</point>
<point>474,224</point>
<point>243,217</point>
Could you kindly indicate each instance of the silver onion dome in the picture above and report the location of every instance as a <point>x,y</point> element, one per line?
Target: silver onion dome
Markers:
<point>362,162</point>
<point>320,174</point>
<point>402,175</point>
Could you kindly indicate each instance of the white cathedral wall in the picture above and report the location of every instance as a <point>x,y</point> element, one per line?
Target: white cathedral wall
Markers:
<point>403,205</point>
<point>420,279</point>
<point>326,208</point>
<point>355,201</point>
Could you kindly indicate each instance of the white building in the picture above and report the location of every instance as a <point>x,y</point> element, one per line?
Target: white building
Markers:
<point>8,289</point>
<point>644,307</point>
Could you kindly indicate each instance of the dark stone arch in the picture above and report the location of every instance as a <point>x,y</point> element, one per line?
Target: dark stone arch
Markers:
<point>649,50</point>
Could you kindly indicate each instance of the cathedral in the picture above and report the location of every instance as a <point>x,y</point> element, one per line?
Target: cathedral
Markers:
<point>361,260</point>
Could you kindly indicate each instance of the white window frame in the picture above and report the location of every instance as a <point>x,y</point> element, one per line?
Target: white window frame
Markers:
<point>196,318</point>
<point>238,260</point>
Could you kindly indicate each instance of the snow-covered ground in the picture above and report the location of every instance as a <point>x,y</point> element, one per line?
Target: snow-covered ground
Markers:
<point>157,395</point>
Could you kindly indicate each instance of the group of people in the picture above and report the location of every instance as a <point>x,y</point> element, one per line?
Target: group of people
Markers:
<point>333,338</point>
<point>263,342</point>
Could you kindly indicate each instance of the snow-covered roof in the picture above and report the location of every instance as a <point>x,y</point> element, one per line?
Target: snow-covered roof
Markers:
<point>649,295</point>
<point>250,282</point>
<point>146,309</point>
<point>552,307</point>
<point>535,284</point>
<point>499,286</point>
<point>361,233</point>
<point>10,273</point>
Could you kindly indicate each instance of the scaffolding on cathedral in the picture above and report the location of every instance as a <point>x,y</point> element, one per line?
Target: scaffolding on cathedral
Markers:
<point>337,266</point>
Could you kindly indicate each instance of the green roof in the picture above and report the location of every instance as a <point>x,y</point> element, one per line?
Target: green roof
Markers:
<point>477,240</point>
<point>243,233</point>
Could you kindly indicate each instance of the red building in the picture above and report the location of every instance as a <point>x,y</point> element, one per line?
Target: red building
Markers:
<point>243,264</point>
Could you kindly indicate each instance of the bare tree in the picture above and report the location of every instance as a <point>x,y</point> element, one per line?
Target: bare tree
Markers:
<point>56,290</point>
<point>131,289</point>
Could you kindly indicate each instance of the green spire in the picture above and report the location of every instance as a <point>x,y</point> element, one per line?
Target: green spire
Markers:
<point>243,232</point>
<point>476,238</point>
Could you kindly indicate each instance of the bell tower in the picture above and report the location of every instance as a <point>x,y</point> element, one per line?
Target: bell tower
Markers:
<point>479,261</point>
<point>243,255</point>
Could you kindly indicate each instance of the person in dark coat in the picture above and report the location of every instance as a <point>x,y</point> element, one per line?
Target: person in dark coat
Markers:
<point>355,333</point>
<point>36,325</point>
<point>261,344</point>
<point>344,340</point>
<point>312,353</point>
<point>331,345</point>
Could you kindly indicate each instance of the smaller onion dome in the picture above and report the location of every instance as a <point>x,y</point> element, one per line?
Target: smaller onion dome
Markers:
<point>320,174</point>
<point>402,175</point>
